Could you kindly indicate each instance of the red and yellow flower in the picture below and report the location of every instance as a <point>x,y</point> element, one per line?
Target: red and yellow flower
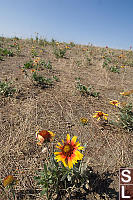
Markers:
<point>44,136</point>
<point>33,70</point>
<point>36,61</point>
<point>115,103</point>
<point>69,153</point>
<point>100,115</point>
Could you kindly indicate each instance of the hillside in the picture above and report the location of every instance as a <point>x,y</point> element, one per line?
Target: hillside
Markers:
<point>52,86</point>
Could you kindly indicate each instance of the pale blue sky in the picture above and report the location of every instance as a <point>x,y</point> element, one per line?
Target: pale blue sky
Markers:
<point>100,22</point>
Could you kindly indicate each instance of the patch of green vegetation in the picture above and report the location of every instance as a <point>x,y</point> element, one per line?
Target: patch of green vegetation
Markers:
<point>41,81</point>
<point>6,90</point>
<point>126,117</point>
<point>34,53</point>
<point>59,53</point>
<point>108,59</point>
<point>88,60</point>
<point>56,78</point>
<point>6,52</point>
<point>105,65</point>
<point>71,44</point>
<point>86,90</point>
<point>47,65</point>
<point>114,69</point>
<point>55,179</point>
<point>29,65</point>
<point>78,63</point>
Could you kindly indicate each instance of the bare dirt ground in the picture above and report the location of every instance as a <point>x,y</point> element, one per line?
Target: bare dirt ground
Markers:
<point>59,109</point>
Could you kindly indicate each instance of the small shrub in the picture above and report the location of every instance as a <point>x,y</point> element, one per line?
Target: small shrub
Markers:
<point>88,60</point>
<point>86,90</point>
<point>114,69</point>
<point>78,63</point>
<point>41,81</point>
<point>29,65</point>
<point>1,58</point>
<point>105,65</point>
<point>72,44</point>
<point>55,78</point>
<point>6,90</point>
<point>59,177</point>
<point>34,53</point>
<point>6,52</point>
<point>59,53</point>
<point>126,117</point>
<point>108,59</point>
<point>46,65</point>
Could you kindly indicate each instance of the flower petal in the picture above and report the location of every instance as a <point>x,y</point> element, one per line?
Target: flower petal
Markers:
<point>73,141</point>
<point>68,138</point>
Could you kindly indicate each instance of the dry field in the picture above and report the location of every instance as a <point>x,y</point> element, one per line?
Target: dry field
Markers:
<point>59,107</point>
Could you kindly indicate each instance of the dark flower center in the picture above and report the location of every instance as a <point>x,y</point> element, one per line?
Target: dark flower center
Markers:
<point>67,150</point>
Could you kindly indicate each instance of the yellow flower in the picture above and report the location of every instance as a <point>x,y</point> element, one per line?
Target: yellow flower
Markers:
<point>84,121</point>
<point>69,154</point>
<point>121,56</point>
<point>67,47</point>
<point>99,115</point>
<point>126,93</point>
<point>122,66</point>
<point>8,180</point>
<point>115,103</point>
<point>44,136</point>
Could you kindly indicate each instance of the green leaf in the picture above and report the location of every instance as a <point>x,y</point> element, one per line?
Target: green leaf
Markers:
<point>64,176</point>
<point>44,191</point>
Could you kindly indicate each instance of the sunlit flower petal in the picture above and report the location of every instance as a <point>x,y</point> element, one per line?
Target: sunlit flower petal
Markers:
<point>69,154</point>
<point>115,103</point>
<point>68,138</point>
<point>100,115</point>
<point>126,93</point>
<point>44,136</point>
<point>73,141</point>
<point>8,180</point>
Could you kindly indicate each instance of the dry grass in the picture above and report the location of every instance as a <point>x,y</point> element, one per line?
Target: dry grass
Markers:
<point>59,109</point>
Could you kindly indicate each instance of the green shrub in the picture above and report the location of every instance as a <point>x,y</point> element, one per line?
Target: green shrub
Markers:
<point>126,117</point>
<point>86,90</point>
<point>41,81</point>
<point>29,65</point>
<point>6,52</point>
<point>6,90</point>
<point>115,69</point>
<point>59,53</point>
